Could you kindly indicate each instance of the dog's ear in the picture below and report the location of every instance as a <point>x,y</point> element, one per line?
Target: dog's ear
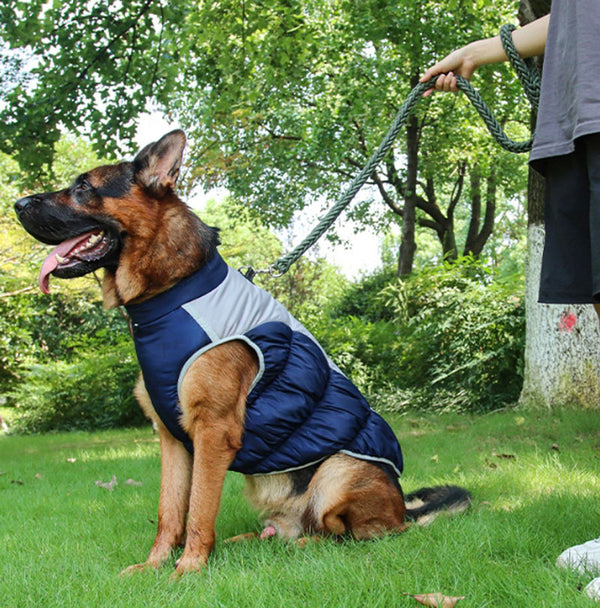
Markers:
<point>157,165</point>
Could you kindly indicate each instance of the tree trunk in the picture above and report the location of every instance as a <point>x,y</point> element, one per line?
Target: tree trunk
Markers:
<point>480,233</point>
<point>562,347</point>
<point>562,344</point>
<point>475,195</point>
<point>409,218</point>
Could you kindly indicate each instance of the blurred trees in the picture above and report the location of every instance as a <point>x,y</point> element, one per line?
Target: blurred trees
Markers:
<point>284,101</point>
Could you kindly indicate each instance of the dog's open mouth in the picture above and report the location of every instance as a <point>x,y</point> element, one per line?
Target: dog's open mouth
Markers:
<point>74,257</point>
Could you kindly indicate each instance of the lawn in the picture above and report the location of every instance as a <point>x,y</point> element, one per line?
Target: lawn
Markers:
<point>535,478</point>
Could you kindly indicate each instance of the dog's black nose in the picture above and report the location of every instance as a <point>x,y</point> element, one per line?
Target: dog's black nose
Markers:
<point>22,203</point>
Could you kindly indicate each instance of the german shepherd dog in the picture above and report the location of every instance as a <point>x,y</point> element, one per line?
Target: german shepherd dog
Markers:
<point>127,219</point>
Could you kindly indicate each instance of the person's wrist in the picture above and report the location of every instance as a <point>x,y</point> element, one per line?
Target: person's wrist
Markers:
<point>483,52</point>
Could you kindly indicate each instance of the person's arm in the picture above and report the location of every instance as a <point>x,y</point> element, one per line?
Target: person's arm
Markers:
<point>529,41</point>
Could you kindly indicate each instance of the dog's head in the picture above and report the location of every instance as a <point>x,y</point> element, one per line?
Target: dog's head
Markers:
<point>105,211</point>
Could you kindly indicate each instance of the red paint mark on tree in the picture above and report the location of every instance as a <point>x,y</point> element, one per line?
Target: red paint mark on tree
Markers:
<point>567,322</point>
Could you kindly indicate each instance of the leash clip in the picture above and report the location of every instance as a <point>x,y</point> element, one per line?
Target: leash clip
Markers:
<point>249,273</point>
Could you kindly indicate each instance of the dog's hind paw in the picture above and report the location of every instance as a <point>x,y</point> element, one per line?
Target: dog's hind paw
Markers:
<point>240,538</point>
<point>268,532</point>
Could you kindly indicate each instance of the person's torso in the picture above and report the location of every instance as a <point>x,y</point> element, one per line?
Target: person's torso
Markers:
<point>570,96</point>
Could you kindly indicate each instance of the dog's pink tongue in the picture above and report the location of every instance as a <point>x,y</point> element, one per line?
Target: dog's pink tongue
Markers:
<point>50,263</point>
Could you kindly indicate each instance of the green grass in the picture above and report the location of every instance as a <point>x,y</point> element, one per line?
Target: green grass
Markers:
<point>63,540</point>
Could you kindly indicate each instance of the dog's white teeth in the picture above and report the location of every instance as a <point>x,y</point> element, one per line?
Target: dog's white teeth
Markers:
<point>94,239</point>
<point>60,259</point>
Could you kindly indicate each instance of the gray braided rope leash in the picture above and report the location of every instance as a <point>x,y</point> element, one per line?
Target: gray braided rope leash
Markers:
<point>526,69</point>
<point>531,82</point>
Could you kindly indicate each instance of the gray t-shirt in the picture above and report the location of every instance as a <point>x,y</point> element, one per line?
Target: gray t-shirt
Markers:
<point>570,96</point>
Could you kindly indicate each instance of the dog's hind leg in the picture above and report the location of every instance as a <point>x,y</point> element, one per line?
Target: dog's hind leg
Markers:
<point>354,497</point>
<point>176,475</point>
<point>282,500</point>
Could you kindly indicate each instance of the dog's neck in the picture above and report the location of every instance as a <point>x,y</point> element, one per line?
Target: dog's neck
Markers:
<point>152,264</point>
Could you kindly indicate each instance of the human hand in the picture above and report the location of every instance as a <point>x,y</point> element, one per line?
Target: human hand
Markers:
<point>459,62</point>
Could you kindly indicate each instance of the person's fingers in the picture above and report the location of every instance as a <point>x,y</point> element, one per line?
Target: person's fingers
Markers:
<point>446,83</point>
<point>429,74</point>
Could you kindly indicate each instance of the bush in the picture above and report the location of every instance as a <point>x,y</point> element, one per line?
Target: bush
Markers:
<point>94,391</point>
<point>449,337</point>
<point>66,363</point>
<point>364,298</point>
<point>366,352</point>
<point>465,335</point>
<point>37,329</point>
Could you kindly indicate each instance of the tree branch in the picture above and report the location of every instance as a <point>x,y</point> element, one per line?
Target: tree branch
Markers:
<point>458,188</point>
<point>102,51</point>
<point>10,294</point>
<point>387,199</point>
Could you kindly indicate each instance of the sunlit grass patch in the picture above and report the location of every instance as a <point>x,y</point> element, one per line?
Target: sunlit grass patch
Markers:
<point>535,481</point>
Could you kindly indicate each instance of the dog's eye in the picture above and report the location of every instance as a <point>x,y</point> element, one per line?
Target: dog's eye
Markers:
<point>84,186</point>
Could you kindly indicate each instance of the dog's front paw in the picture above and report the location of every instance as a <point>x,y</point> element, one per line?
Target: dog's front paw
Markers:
<point>154,562</point>
<point>188,563</point>
<point>137,568</point>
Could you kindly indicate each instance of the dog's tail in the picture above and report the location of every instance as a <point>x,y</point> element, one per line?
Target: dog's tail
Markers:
<point>422,506</point>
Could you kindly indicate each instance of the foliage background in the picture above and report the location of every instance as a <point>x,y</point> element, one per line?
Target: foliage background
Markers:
<point>449,337</point>
<point>282,102</point>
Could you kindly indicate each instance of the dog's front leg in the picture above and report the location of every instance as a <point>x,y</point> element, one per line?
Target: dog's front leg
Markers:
<point>213,398</point>
<point>213,454</point>
<point>175,482</point>
<point>173,504</point>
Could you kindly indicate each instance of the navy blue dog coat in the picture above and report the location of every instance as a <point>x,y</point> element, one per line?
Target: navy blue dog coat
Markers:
<point>300,410</point>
